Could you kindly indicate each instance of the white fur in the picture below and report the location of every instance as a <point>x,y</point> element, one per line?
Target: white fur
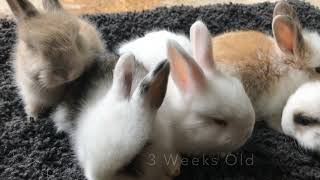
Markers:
<point>109,135</point>
<point>312,39</point>
<point>305,100</point>
<point>113,127</point>
<point>191,132</point>
<point>151,48</point>
<point>270,105</point>
<point>189,119</point>
<point>61,120</point>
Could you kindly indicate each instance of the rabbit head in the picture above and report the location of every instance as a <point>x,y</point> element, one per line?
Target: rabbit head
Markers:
<point>116,130</point>
<point>298,46</point>
<point>50,43</point>
<point>151,90</point>
<point>218,115</point>
<point>301,116</point>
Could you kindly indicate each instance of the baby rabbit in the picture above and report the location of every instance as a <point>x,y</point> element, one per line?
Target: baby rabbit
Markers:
<point>271,69</point>
<point>53,48</point>
<point>112,124</point>
<point>301,116</point>
<point>205,110</point>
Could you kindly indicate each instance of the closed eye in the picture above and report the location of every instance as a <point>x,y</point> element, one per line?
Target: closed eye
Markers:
<point>217,121</point>
<point>304,120</point>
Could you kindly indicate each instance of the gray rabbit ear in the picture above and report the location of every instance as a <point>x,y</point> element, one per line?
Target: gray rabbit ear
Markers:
<point>22,9</point>
<point>52,5</point>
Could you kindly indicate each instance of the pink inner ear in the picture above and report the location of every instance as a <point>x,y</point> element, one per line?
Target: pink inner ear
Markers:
<point>203,53</point>
<point>286,36</point>
<point>185,72</point>
<point>179,70</point>
<point>202,45</point>
<point>286,32</point>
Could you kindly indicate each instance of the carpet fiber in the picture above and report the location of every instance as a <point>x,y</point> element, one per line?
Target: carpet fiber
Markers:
<point>35,151</point>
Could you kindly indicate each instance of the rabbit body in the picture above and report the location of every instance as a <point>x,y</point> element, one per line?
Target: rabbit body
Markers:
<point>53,48</point>
<point>268,75</point>
<point>271,69</point>
<point>109,114</point>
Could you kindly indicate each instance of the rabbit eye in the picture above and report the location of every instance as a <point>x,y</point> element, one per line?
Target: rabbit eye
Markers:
<point>317,69</point>
<point>305,120</point>
<point>217,121</point>
<point>220,122</point>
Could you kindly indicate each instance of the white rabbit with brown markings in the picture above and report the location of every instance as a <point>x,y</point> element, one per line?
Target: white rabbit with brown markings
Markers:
<point>53,48</point>
<point>271,69</point>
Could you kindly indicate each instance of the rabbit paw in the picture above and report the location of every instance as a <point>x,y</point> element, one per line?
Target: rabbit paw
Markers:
<point>32,112</point>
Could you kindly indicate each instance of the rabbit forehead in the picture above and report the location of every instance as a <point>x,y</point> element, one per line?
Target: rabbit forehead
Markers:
<point>223,98</point>
<point>306,100</point>
<point>49,27</point>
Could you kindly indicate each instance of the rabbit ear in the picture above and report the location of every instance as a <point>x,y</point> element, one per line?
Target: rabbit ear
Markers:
<point>52,5</point>
<point>123,75</point>
<point>153,88</point>
<point>202,45</point>
<point>288,35</point>
<point>22,8</point>
<point>284,8</point>
<point>185,72</point>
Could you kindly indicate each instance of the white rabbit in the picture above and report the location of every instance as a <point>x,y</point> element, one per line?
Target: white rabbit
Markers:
<point>271,69</point>
<point>204,110</point>
<point>113,124</point>
<point>301,116</point>
<point>53,48</point>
